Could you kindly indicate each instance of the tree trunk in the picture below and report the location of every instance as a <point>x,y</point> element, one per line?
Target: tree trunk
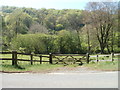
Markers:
<point>112,48</point>
<point>79,42</point>
<point>102,46</point>
<point>108,49</point>
<point>88,41</point>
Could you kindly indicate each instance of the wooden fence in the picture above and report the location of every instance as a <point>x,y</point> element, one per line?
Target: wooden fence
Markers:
<point>110,56</point>
<point>50,58</point>
<point>15,57</point>
<point>56,58</point>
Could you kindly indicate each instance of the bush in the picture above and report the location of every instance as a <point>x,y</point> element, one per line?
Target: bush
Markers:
<point>37,43</point>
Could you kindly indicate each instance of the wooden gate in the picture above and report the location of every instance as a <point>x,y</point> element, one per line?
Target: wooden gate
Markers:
<point>69,58</point>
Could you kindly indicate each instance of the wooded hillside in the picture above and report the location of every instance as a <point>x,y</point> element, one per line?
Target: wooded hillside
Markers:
<point>94,30</point>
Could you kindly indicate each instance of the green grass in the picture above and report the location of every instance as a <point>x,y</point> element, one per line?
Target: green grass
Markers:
<point>103,65</point>
<point>30,68</point>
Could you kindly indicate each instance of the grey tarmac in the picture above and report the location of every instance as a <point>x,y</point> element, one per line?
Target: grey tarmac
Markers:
<point>60,80</point>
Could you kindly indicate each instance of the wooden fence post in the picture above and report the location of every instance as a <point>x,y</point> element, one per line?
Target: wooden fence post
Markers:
<point>40,59</point>
<point>112,54</point>
<point>31,59</point>
<point>97,58</point>
<point>14,57</point>
<point>87,58</point>
<point>50,58</point>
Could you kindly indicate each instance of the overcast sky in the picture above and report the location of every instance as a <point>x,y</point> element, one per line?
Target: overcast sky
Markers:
<point>57,4</point>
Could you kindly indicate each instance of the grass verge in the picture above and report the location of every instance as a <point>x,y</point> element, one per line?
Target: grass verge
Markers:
<point>28,68</point>
<point>103,65</point>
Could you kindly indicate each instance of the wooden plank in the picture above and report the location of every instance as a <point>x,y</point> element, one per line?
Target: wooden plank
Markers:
<point>42,54</point>
<point>22,60</point>
<point>69,54</point>
<point>50,58</point>
<point>25,53</point>
<point>31,59</point>
<point>15,58</point>
<point>117,54</point>
<point>40,59</point>
<point>45,61</point>
<point>5,52</point>
<point>5,58</point>
<point>87,58</point>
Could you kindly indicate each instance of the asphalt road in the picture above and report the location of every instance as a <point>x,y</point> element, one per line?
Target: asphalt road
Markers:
<point>61,80</point>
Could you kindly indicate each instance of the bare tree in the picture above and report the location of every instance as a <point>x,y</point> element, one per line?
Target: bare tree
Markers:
<point>102,20</point>
<point>37,28</point>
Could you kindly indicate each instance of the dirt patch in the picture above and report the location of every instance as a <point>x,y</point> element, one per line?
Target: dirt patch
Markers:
<point>79,69</point>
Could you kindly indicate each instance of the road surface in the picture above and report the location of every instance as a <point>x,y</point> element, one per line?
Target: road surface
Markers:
<point>61,80</point>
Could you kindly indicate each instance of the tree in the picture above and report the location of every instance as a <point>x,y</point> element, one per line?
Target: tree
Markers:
<point>50,21</point>
<point>5,33</point>
<point>19,22</point>
<point>41,14</point>
<point>67,42</point>
<point>87,28</point>
<point>74,21</point>
<point>102,20</point>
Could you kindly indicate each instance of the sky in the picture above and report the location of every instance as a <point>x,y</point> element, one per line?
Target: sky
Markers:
<point>57,4</point>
